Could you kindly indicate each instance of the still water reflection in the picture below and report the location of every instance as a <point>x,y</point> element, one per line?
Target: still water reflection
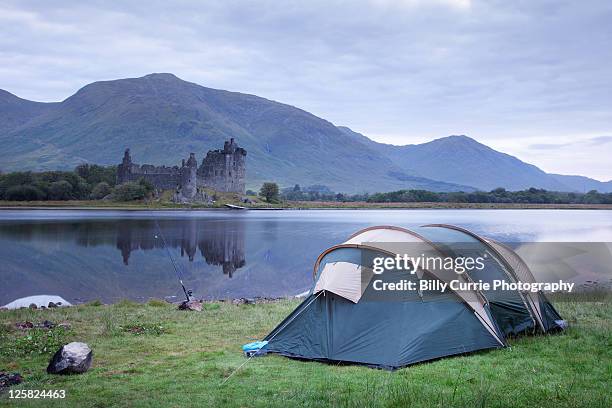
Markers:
<point>111,255</point>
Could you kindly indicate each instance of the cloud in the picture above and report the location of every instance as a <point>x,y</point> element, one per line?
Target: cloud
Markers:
<point>549,146</point>
<point>591,141</point>
<point>599,140</point>
<point>575,155</point>
<point>458,4</point>
<point>513,74</point>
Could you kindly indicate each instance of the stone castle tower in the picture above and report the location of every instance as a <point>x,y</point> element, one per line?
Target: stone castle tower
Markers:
<point>224,170</point>
<point>188,181</point>
<point>221,170</point>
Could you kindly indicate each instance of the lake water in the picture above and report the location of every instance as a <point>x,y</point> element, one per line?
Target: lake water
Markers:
<point>113,255</point>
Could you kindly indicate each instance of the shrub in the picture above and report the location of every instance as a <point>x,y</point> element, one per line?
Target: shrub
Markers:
<point>24,193</point>
<point>270,192</point>
<point>13,180</point>
<point>95,174</point>
<point>147,185</point>
<point>129,192</point>
<point>81,190</point>
<point>60,190</point>
<point>101,190</point>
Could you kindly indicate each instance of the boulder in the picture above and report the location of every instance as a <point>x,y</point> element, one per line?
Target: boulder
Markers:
<point>195,305</point>
<point>8,379</point>
<point>33,306</point>
<point>72,358</point>
<point>51,305</point>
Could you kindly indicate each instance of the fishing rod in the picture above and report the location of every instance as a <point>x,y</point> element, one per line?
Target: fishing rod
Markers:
<point>179,275</point>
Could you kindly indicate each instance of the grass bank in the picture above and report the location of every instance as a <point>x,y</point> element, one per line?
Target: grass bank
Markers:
<point>154,355</point>
<point>288,205</point>
<point>444,205</point>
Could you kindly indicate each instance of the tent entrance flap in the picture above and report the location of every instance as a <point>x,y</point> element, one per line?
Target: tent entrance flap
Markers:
<point>345,279</point>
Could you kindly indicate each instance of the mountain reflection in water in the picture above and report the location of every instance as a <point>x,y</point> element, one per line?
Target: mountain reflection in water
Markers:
<point>113,255</point>
<point>115,258</point>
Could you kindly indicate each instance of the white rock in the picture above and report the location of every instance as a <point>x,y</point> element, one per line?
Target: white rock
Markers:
<point>72,358</point>
<point>38,300</point>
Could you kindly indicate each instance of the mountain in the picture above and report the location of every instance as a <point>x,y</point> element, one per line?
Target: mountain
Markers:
<point>463,160</point>
<point>162,118</point>
<point>15,111</point>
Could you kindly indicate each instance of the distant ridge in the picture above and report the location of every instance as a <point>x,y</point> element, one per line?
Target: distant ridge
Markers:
<point>163,118</point>
<point>15,111</point>
<point>463,160</point>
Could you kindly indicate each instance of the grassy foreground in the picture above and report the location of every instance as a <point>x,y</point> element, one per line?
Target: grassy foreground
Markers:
<point>155,355</point>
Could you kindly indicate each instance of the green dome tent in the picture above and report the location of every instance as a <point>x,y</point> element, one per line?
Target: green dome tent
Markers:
<point>514,312</point>
<point>345,319</point>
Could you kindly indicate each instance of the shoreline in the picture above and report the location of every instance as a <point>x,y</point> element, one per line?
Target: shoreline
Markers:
<point>297,206</point>
<point>583,294</point>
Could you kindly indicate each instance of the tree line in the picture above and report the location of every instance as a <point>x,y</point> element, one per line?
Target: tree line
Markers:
<point>86,182</point>
<point>94,182</point>
<point>498,195</point>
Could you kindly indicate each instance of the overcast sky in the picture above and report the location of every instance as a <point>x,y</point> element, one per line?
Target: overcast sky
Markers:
<point>532,78</point>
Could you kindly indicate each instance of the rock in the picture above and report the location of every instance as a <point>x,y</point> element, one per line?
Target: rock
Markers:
<point>244,301</point>
<point>72,358</point>
<point>38,300</point>
<point>65,325</point>
<point>24,325</point>
<point>8,379</point>
<point>51,305</point>
<point>195,305</point>
<point>33,306</point>
<point>45,325</point>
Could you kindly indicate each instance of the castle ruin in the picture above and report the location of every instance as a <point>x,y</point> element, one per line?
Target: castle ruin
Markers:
<point>221,170</point>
